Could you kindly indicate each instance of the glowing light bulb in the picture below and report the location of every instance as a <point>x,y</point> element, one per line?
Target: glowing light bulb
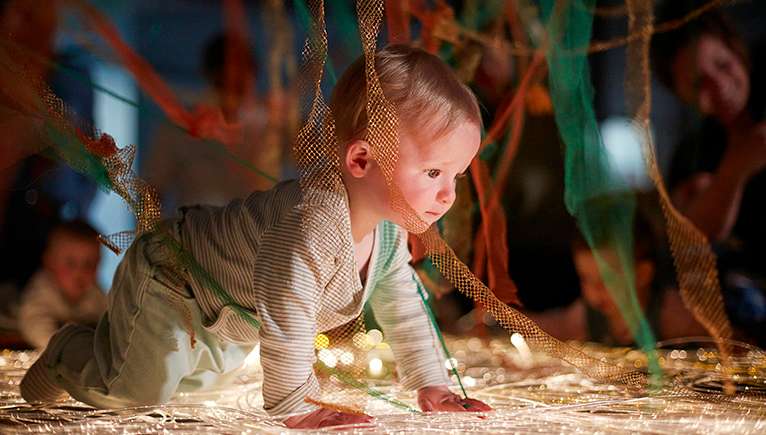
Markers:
<point>347,358</point>
<point>374,337</point>
<point>450,363</point>
<point>376,367</point>
<point>327,358</point>
<point>525,355</point>
<point>321,341</point>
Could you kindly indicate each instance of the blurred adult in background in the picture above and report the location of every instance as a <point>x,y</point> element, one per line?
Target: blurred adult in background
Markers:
<point>186,170</point>
<point>717,175</point>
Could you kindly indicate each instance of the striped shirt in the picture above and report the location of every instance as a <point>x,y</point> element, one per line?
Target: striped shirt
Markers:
<point>292,267</point>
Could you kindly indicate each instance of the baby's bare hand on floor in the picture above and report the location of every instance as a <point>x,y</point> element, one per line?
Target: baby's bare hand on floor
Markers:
<point>324,418</point>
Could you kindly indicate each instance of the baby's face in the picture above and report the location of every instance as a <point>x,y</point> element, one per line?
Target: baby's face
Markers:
<point>72,263</point>
<point>427,169</point>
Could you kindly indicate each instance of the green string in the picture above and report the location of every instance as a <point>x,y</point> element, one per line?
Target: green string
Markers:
<point>208,281</point>
<point>595,193</point>
<point>432,318</point>
<point>371,391</point>
<point>184,257</point>
<point>239,160</point>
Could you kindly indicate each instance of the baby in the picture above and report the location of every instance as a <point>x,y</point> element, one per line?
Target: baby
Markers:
<point>295,260</point>
<point>64,290</point>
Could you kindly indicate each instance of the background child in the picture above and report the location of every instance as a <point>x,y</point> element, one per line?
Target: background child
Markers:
<point>64,290</point>
<point>298,267</point>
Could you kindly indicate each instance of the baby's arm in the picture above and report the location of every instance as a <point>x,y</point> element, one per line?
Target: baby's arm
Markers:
<point>400,310</point>
<point>286,290</point>
<point>291,270</point>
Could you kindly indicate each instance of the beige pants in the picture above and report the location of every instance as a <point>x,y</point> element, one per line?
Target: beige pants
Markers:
<point>141,352</point>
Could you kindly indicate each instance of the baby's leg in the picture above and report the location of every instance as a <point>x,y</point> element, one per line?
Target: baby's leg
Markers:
<point>39,384</point>
<point>141,349</point>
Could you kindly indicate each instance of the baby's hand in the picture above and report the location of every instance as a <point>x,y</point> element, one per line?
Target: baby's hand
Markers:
<point>440,398</point>
<point>323,417</point>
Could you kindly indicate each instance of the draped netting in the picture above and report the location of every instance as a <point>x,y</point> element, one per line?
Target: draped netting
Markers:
<point>559,39</point>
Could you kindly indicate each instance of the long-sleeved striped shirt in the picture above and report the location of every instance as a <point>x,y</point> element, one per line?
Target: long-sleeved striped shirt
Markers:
<point>290,263</point>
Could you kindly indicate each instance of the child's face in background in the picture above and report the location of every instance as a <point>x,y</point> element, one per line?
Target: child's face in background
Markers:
<point>597,295</point>
<point>427,168</point>
<point>72,263</point>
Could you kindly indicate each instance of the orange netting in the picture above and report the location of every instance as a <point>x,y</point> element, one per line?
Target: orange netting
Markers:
<point>316,157</point>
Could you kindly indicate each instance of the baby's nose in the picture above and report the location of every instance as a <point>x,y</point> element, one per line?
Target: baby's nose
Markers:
<point>446,196</point>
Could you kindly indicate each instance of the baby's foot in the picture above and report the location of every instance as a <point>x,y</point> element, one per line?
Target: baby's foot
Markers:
<point>37,387</point>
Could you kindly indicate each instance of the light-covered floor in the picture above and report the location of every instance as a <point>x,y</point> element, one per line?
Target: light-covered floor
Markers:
<point>530,393</point>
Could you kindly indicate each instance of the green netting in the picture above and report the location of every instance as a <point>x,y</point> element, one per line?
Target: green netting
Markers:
<point>600,200</point>
<point>70,149</point>
<point>595,195</point>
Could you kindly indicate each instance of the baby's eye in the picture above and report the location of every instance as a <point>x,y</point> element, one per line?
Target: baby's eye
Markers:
<point>433,173</point>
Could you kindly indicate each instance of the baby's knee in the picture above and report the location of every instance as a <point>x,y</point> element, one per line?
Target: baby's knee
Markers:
<point>148,395</point>
<point>134,389</point>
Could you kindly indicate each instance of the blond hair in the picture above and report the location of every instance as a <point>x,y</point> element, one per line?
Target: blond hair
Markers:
<point>426,94</point>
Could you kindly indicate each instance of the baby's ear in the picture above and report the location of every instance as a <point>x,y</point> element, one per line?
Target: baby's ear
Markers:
<point>357,159</point>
